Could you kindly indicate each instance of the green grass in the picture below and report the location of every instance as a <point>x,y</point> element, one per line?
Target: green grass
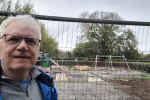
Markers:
<point>145,78</point>
<point>147,74</point>
<point>70,66</point>
<point>140,62</point>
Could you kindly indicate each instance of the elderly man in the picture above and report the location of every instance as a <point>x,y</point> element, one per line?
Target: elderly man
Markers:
<point>19,49</point>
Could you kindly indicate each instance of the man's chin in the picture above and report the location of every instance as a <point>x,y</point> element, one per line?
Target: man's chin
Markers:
<point>21,60</point>
<point>21,67</point>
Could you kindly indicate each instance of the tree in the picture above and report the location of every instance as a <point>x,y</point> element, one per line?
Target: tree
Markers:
<point>50,42</point>
<point>4,6</point>
<point>8,6</point>
<point>87,49</point>
<point>145,57</point>
<point>77,52</point>
<point>126,44</point>
<point>64,54</point>
<point>28,8</point>
<point>109,39</point>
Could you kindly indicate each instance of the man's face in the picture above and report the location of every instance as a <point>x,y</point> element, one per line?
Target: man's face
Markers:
<point>20,57</point>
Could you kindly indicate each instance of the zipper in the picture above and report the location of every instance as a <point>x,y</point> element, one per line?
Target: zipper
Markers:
<point>27,94</point>
<point>26,90</point>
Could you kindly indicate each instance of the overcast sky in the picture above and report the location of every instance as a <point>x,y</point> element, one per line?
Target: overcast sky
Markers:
<point>65,34</point>
<point>131,10</point>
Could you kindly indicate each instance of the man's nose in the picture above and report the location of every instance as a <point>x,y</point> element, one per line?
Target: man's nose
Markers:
<point>23,39</point>
<point>22,45</point>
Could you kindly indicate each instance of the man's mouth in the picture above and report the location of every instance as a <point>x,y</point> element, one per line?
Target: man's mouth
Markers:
<point>21,57</point>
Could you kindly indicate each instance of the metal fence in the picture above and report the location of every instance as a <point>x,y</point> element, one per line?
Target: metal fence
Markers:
<point>103,77</point>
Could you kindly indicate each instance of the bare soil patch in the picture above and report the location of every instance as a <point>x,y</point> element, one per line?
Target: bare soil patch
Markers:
<point>137,89</point>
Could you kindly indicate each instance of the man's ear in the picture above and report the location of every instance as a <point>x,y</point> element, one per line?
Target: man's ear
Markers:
<point>0,48</point>
<point>38,55</point>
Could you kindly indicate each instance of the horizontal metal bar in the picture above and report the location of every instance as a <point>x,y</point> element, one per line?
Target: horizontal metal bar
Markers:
<point>108,56</point>
<point>83,20</point>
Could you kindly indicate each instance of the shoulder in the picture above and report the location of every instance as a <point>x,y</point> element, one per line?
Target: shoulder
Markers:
<point>43,71</point>
<point>44,78</point>
<point>46,84</point>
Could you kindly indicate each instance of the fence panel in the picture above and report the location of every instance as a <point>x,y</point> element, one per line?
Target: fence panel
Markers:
<point>111,62</point>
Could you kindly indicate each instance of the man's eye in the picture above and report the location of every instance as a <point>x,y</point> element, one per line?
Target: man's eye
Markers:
<point>31,41</point>
<point>12,39</point>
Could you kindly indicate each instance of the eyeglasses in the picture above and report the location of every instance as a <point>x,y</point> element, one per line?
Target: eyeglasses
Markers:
<point>16,40</point>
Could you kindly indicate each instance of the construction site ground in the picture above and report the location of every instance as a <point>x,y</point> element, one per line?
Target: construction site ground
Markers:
<point>101,84</point>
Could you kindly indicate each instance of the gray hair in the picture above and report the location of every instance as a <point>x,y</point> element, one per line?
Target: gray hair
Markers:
<point>24,21</point>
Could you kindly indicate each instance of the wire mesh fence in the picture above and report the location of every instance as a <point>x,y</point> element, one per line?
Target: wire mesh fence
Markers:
<point>103,60</point>
<point>104,78</point>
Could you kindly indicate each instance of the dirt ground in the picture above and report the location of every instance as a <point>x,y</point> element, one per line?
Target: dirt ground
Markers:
<point>138,89</point>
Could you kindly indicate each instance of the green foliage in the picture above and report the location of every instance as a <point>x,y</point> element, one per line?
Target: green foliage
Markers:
<point>145,57</point>
<point>64,54</point>
<point>105,39</point>
<point>28,8</point>
<point>87,49</point>
<point>126,44</point>
<point>10,6</point>
<point>49,42</point>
